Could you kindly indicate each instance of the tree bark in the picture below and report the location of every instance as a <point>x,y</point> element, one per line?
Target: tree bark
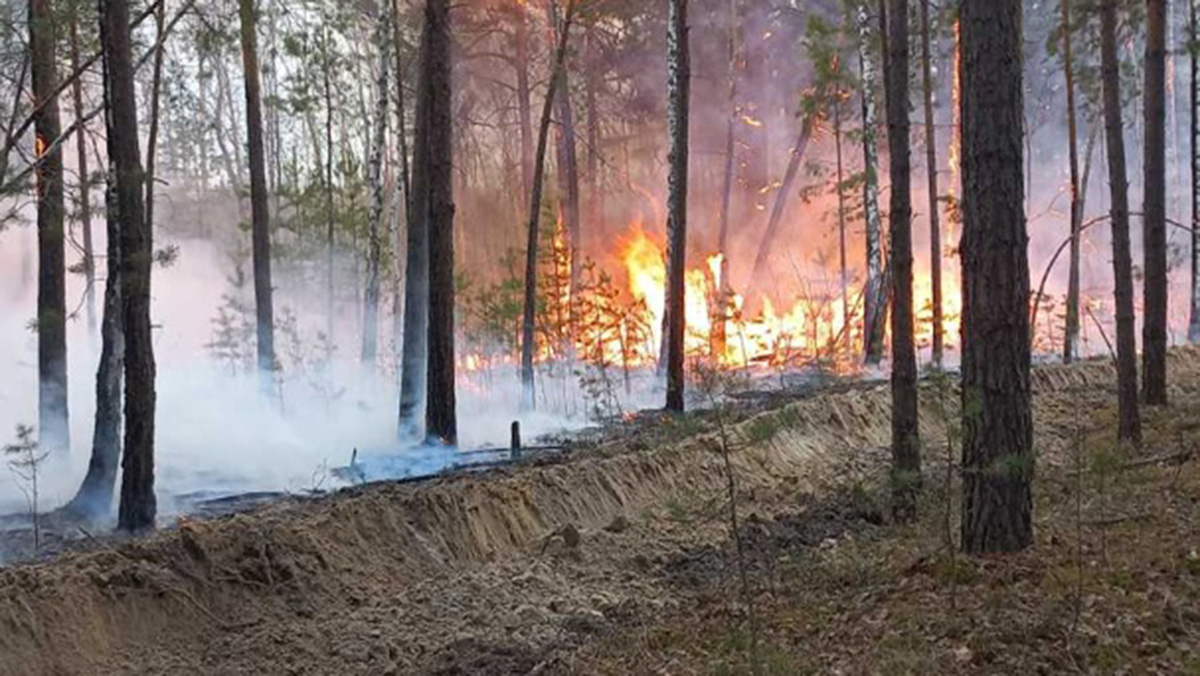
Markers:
<point>529,312</point>
<point>679,75</point>
<point>138,507</point>
<point>873,298</point>
<point>404,184</point>
<point>1194,56</point>
<point>906,439</point>
<point>413,363</point>
<point>53,426</point>
<point>370,337</point>
<point>260,216</point>
<point>1129,426</point>
<point>998,459</point>
<point>441,422</point>
<point>1071,335</point>
<point>1154,231</point>
<point>85,184</point>
<point>155,106</point>
<point>568,173</point>
<point>931,172</point>
<point>524,113</point>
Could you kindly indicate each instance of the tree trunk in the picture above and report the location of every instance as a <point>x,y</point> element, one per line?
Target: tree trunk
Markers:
<point>568,173</point>
<point>330,211</point>
<point>441,421</point>
<point>370,344</point>
<point>1194,55</point>
<point>85,186</point>
<point>719,337</point>
<point>95,496</point>
<point>413,363</point>
<point>906,439</point>
<point>591,93</point>
<point>529,312</point>
<point>759,271</point>
<point>873,298</point>
<point>841,210</point>
<point>138,507</point>
<point>53,428</point>
<point>1154,231</point>
<point>1129,427</point>
<point>155,106</point>
<point>260,217</point>
<point>679,83</point>
<point>1071,337</point>
<point>931,172</point>
<point>998,459</point>
<point>404,183</point>
<point>524,114</point>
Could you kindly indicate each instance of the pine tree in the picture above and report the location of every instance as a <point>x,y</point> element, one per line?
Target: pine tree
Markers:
<point>53,425</point>
<point>1154,230</point>
<point>874,298</point>
<point>679,75</point>
<point>1129,425</point>
<point>441,422</point>
<point>906,441</point>
<point>998,455</point>
<point>138,507</point>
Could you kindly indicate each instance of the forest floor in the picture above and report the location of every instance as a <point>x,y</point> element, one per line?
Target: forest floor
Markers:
<point>621,561</point>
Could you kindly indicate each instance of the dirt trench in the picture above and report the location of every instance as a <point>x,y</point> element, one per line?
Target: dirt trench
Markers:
<point>506,572</point>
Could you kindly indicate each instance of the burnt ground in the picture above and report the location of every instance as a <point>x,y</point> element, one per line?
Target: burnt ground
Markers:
<point>620,560</point>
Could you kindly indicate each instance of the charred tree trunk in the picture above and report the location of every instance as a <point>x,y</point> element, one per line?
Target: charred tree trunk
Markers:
<point>95,496</point>
<point>85,183</point>
<point>370,337</point>
<point>413,358</point>
<point>138,507</point>
<point>1154,231</point>
<point>1071,336</point>
<point>795,161</point>
<point>906,438</point>
<point>1194,56</point>
<point>931,172</point>
<point>53,428</point>
<point>441,422</point>
<point>1129,427</point>
<point>874,298</point>
<point>998,458</point>
<point>679,77</point>
<point>529,313</point>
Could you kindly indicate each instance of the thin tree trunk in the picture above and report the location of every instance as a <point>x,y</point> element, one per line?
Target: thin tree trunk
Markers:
<point>719,337</point>
<point>1129,427</point>
<point>416,271</point>
<point>873,298</point>
<point>841,209</point>
<point>1071,337</point>
<point>85,184</point>
<point>524,113</point>
<point>679,76</point>
<point>1154,231</point>
<point>568,174</point>
<point>203,122</point>
<point>260,220</point>
<point>155,106</point>
<point>370,336</point>
<point>53,427</point>
<point>138,508</point>
<point>786,188</point>
<point>906,438</point>
<point>330,211</point>
<point>591,93</point>
<point>95,496</point>
<point>232,173</point>
<point>1194,55</point>
<point>931,172</point>
<point>441,421</point>
<point>529,312</point>
<point>998,457</point>
<point>404,183</point>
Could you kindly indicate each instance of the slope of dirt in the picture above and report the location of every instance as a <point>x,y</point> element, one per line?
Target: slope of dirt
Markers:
<point>516,571</point>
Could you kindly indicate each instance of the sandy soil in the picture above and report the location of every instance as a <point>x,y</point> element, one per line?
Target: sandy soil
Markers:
<point>544,568</point>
